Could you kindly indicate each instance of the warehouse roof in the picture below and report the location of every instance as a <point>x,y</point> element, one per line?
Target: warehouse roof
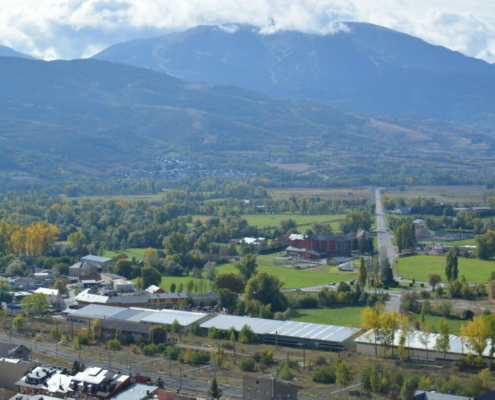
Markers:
<point>127,313</point>
<point>307,330</point>
<point>94,311</point>
<point>97,259</point>
<point>167,317</point>
<point>142,313</point>
<point>457,345</point>
<point>258,325</point>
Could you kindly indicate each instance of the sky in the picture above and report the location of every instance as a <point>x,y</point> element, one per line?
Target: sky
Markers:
<point>67,29</point>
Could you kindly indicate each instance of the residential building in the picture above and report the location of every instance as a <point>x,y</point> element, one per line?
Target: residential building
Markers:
<point>156,301</point>
<point>90,265</point>
<point>54,297</point>
<point>14,350</point>
<point>267,389</point>
<point>24,282</point>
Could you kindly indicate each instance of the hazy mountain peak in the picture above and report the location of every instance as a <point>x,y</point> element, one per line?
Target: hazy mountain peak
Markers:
<point>8,52</point>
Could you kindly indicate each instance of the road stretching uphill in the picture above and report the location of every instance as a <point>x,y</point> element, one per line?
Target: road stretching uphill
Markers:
<point>171,382</point>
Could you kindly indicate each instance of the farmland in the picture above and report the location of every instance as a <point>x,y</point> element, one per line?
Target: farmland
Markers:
<point>450,194</point>
<point>416,267</point>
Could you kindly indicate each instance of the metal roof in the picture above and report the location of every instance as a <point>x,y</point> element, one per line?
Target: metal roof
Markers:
<point>457,345</point>
<point>125,314</point>
<point>167,317</point>
<point>135,391</point>
<point>95,258</point>
<point>94,311</point>
<point>308,330</point>
<point>142,314</point>
<point>258,325</point>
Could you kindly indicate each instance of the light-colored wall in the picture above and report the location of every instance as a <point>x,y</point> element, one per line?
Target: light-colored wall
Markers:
<point>11,372</point>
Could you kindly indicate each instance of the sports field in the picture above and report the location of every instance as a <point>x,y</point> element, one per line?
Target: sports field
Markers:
<point>416,267</point>
<point>343,316</point>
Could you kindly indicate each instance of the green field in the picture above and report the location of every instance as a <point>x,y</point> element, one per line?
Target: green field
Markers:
<point>446,194</point>
<point>465,242</point>
<point>138,253</point>
<point>416,267</point>
<point>455,324</point>
<point>294,278</point>
<point>273,220</point>
<point>343,316</point>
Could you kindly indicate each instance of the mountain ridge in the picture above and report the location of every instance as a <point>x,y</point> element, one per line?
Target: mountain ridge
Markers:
<point>369,69</point>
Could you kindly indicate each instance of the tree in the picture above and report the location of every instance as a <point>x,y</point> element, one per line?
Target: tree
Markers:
<point>452,266</point>
<point>61,285</point>
<point>405,234</point>
<point>386,269</point>
<point>124,268</point>
<point>176,328</point>
<point>173,287</point>
<point>160,383</point>
<point>176,245</point>
<point>210,269</point>
<point>371,321</point>
<point>232,282</point>
<point>227,298</point>
<point>214,391</point>
<point>410,385</point>
<point>158,334</point>
<point>247,267</point>
<point>344,373</point>
<point>266,289</point>
<point>362,273</point>
<point>442,342</point>
<point>475,334</point>
<point>18,323</point>
<point>150,276</point>
<point>36,304</point>
<point>97,329</point>
<point>151,258</point>
<point>433,279</point>
<point>490,323</point>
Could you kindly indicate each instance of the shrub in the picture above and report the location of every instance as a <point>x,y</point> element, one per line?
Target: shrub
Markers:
<point>227,345</point>
<point>425,294</point>
<point>308,302</point>
<point>134,348</point>
<point>200,357</point>
<point>247,364</point>
<point>150,350</point>
<point>467,314</point>
<point>114,344</point>
<point>284,372</point>
<point>324,375</point>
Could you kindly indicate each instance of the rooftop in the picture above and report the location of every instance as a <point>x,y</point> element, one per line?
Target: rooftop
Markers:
<point>96,259</point>
<point>134,391</point>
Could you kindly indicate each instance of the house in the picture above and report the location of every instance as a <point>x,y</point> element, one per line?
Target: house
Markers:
<point>24,282</point>
<point>54,297</point>
<point>155,301</point>
<point>267,389</point>
<point>253,241</point>
<point>319,246</point>
<point>137,391</point>
<point>154,289</point>
<point>90,265</point>
<point>82,268</point>
<point>123,285</point>
<point>13,350</point>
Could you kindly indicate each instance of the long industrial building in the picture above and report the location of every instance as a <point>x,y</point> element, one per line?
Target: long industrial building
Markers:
<point>419,346</point>
<point>136,321</point>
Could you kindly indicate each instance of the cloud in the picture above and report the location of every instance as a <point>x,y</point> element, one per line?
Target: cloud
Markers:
<point>68,29</point>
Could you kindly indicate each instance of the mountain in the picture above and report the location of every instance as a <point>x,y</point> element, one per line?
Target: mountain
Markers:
<point>364,67</point>
<point>91,117</point>
<point>8,52</point>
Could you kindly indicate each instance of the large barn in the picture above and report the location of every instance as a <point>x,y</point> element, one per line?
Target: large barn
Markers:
<point>319,246</point>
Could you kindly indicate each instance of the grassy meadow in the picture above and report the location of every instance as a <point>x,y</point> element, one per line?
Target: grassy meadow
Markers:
<point>448,194</point>
<point>343,316</point>
<point>455,324</point>
<point>416,267</point>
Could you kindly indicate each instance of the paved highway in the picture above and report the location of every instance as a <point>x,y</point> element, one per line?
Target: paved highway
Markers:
<point>384,238</point>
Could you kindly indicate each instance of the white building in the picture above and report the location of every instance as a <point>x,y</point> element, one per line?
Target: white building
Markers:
<point>53,295</point>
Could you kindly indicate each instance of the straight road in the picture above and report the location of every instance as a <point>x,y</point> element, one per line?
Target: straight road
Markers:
<point>384,238</point>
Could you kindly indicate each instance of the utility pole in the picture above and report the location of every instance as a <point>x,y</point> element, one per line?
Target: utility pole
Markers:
<point>169,366</point>
<point>180,379</point>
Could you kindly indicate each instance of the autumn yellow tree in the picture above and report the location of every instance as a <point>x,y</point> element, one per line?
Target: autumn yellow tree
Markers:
<point>475,334</point>
<point>371,320</point>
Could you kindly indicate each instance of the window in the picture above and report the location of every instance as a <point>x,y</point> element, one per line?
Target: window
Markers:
<point>267,392</point>
<point>248,390</point>
<point>257,391</point>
